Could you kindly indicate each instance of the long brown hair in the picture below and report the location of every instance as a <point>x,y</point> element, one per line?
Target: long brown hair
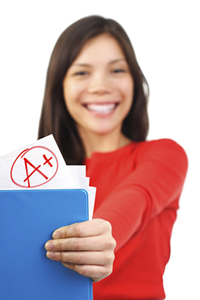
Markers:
<point>55,118</point>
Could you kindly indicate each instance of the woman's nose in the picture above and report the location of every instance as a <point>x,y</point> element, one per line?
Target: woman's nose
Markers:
<point>99,84</point>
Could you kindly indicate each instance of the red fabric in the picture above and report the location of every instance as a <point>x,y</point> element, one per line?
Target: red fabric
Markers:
<point>138,190</point>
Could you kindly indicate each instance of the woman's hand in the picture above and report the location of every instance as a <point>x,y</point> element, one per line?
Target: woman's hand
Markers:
<point>87,248</point>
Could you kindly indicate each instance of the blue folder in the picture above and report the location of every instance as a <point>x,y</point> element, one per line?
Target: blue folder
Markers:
<point>27,220</point>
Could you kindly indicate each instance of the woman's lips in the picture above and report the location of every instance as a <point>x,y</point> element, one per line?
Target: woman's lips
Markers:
<point>101,108</point>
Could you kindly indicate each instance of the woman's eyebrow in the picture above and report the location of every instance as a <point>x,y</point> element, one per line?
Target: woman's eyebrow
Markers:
<point>117,60</point>
<point>81,65</point>
<point>89,65</point>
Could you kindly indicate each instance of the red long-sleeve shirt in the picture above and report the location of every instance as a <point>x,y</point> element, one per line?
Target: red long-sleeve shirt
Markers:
<point>138,190</point>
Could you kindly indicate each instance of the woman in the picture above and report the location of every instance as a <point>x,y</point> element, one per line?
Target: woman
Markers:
<point>95,104</point>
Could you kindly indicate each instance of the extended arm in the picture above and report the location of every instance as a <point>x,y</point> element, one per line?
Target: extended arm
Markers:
<point>154,185</point>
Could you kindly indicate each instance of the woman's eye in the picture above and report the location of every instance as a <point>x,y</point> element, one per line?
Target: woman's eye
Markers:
<point>118,71</point>
<point>81,73</point>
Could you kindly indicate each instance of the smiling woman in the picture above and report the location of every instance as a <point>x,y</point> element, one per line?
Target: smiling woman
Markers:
<point>55,118</point>
<point>95,104</point>
<point>98,92</point>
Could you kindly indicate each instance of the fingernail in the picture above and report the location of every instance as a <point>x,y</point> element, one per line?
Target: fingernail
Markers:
<point>51,255</point>
<point>56,235</point>
<point>49,246</point>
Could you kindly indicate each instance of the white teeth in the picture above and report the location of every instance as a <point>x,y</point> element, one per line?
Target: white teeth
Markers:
<point>101,108</point>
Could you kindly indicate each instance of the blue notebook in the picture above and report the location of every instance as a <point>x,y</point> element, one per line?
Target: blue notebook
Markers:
<point>27,220</point>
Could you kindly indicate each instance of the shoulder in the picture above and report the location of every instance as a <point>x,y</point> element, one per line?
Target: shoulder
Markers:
<point>161,145</point>
<point>166,151</point>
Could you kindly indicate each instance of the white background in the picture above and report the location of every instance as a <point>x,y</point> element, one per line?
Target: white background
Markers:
<point>166,38</point>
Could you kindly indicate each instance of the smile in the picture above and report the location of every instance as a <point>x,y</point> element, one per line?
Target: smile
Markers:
<point>101,108</point>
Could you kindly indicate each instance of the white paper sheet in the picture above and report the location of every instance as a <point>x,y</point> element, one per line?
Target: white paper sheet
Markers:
<point>41,166</point>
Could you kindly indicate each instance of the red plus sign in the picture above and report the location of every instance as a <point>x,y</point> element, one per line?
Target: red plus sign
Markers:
<point>47,161</point>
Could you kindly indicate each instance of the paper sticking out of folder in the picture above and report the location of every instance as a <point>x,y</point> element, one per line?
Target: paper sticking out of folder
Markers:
<point>40,165</point>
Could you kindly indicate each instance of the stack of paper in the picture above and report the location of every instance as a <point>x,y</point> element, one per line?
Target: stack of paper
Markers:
<point>38,194</point>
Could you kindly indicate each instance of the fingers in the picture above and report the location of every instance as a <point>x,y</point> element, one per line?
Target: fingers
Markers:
<point>87,248</point>
<point>94,243</point>
<point>88,228</point>
<point>83,257</point>
<point>91,235</point>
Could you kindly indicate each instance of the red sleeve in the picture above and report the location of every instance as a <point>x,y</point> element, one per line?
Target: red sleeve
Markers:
<point>154,185</point>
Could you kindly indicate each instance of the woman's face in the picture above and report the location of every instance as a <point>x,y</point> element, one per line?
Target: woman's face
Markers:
<point>98,87</point>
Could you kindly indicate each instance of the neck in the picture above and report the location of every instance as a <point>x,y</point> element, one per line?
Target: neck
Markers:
<point>102,142</point>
